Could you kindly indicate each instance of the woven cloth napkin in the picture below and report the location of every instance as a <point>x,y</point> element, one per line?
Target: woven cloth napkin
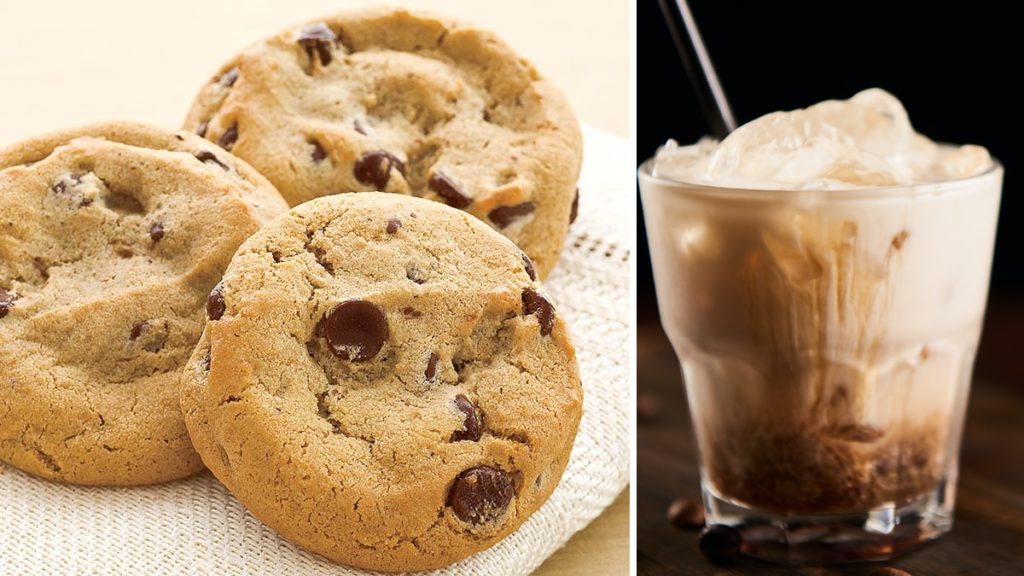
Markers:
<point>195,526</point>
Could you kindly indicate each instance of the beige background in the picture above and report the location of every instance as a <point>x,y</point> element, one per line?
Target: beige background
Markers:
<point>72,62</point>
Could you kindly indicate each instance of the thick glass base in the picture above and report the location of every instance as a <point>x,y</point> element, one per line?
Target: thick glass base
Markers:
<point>877,534</point>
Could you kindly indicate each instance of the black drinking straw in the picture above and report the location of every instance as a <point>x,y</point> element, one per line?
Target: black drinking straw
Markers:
<point>698,67</point>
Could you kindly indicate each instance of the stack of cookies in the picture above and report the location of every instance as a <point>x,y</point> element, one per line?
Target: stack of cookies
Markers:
<point>378,375</point>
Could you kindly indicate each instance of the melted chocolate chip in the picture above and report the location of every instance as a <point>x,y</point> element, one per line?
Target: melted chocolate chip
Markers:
<point>410,312</point>
<point>355,330</point>
<point>448,191</point>
<point>431,370</point>
<point>229,137</point>
<point>374,168</point>
<point>207,156</point>
<point>480,494</point>
<point>61,187</point>
<point>229,78</point>
<point>137,329</point>
<point>156,231</point>
<point>575,207</point>
<point>319,154</point>
<point>528,264</point>
<point>471,426</point>
<point>6,301</point>
<point>393,225</point>
<point>535,304</point>
<point>215,302</point>
<point>318,39</point>
<point>202,127</point>
<point>503,216</point>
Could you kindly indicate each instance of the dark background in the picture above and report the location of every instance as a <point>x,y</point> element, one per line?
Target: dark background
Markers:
<point>953,65</point>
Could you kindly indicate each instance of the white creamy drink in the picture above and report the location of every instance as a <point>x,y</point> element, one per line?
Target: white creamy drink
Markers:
<point>822,274</point>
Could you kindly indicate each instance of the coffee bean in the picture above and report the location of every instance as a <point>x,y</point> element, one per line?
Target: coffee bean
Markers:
<point>575,207</point>
<point>480,494</point>
<point>686,514</point>
<point>215,302</point>
<point>431,370</point>
<point>356,330</point>
<point>318,39</point>
<point>719,543</point>
<point>6,301</point>
<point>528,264</point>
<point>229,137</point>
<point>393,225</point>
<point>207,156</point>
<point>374,168</point>
<point>648,408</point>
<point>156,231</point>
<point>887,571</point>
<point>471,428</point>
<point>444,187</point>
<point>535,304</point>
<point>229,78</point>
<point>504,216</point>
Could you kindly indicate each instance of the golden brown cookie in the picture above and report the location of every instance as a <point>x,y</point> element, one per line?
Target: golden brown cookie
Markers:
<point>111,236</point>
<point>403,102</point>
<point>383,382</point>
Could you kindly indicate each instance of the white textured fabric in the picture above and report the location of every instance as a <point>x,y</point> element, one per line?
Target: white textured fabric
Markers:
<point>195,526</point>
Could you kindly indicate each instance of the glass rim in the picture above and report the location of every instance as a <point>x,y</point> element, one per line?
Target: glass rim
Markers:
<point>943,188</point>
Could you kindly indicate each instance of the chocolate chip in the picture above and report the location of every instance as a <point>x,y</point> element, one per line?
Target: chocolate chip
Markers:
<point>410,312</point>
<point>528,264</point>
<point>156,231</point>
<point>207,156</point>
<point>535,304</point>
<point>503,216</point>
<point>575,207</point>
<point>229,137</point>
<point>318,152</point>
<point>888,571</point>
<point>61,186</point>
<point>356,330</point>
<point>480,494</point>
<point>444,187</point>
<point>215,302</point>
<point>137,329</point>
<point>431,370</point>
<point>374,168</point>
<point>471,428</point>
<point>719,543</point>
<point>393,225</point>
<point>202,127</point>
<point>686,514</point>
<point>899,240</point>
<point>318,39</point>
<point>229,78</point>
<point>413,273</point>
<point>6,301</point>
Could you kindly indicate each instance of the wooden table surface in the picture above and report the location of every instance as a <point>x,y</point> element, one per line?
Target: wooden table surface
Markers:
<point>988,535</point>
<point>69,62</point>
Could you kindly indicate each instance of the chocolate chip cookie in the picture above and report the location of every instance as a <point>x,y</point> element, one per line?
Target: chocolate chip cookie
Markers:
<point>111,237</point>
<point>383,381</point>
<point>403,102</point>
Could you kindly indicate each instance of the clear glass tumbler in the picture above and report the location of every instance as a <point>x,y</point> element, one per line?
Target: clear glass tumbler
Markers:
<point>827,339</point>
